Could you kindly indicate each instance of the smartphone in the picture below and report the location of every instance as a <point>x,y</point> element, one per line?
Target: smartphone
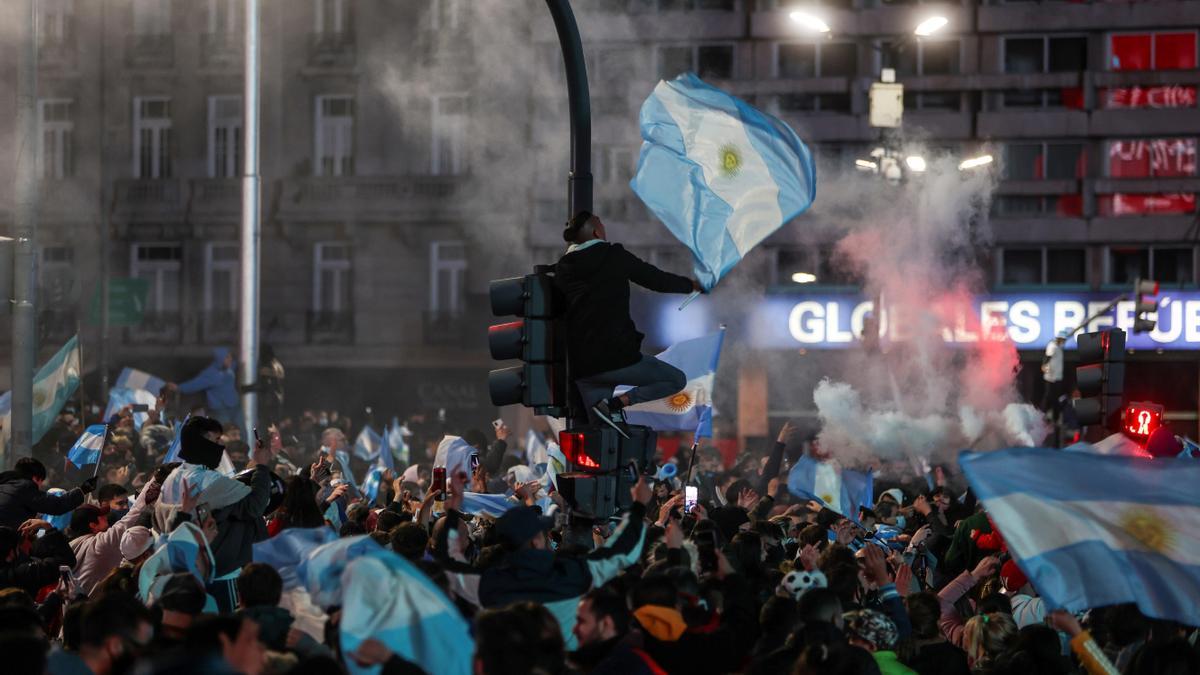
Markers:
<point>139,408</point>
<point>64,573</point>
<point>496,424</point>
<point>689,498</point>
<point>439,479</point>
<point>201,513</point>
<point>257,438</point>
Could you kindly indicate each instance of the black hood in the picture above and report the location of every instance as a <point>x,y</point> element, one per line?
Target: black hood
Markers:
<point>194,448</point>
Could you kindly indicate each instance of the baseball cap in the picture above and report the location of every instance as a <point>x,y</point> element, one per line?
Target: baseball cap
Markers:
<point>136,541</point>
<point>521,524</point>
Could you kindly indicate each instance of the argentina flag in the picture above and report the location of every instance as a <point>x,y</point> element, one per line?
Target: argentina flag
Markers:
<point>691,408</point>
<point>367,445</point>
<point>119,397</point>
<point>721,175</point>
<point>841,490</point>
<point>1090,531</point>
<point>87,449</point>
<point>132,378</point>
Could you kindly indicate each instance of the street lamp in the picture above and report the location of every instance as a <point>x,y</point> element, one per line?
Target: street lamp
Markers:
<point>804,277</point>
<point>809,22</point>
<point>916,163</point>
<point>930,26</point>
<point>974,162</point>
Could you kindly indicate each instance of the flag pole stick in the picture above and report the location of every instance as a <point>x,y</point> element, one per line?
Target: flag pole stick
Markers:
<point>96,471</point>
<point>79,346</point>
<point>692,461</point>
<point>690,298</point>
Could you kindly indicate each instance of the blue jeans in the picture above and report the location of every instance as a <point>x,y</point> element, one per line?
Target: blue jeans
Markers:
<point>650,378</point>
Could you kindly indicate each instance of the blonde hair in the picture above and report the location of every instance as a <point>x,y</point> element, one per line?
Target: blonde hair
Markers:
<point>987,635</point>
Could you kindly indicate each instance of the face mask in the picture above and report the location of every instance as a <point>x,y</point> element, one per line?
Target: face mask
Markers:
<point>115,515</point>
<point>900,522</point>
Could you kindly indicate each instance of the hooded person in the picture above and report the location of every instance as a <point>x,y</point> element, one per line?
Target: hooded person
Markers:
<point>219,384</point>
<point>456,455</point>
<point>186,551</point>
<point>22,496</point>
<point>237,508</point>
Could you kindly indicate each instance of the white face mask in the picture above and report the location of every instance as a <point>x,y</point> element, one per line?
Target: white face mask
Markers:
<point>900,522</point>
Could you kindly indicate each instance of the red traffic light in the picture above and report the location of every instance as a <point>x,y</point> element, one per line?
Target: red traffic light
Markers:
<point>1141,419</point>
<point>574,447</point>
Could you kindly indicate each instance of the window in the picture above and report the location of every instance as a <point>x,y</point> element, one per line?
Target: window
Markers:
<point>1043,265</point>
<point>333,17</point>
<point>449,152</point>
<point>55,23</point>
<point>447,277</point>
<point>224,16</point>
<point>711,62</point>
<point>613,165</point>
<point>1041,54</point>
<point>446,14</point>
<point>1044,161</point>
<point>833,103</point>
<point>1152,51</point>
<point>1127,263</point>
<point>927,57</point>
<point>152,137</point>
<point>161,265</point>
<point>1150,158</point>
<point>335,136</point>
<point>221,277</point>
<point>1174,265</point>
<point>826,59</point>
<point>1016,206</point>
<point>151,17</point>
<point>56,274</point>
<point>56,158</point>
<point>224,136</point>
<point>331,278</point>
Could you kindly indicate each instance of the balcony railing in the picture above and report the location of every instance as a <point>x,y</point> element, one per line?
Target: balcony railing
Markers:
<point>221,50</point>
<point>219,327</point>
<point>332,50</point>
<point>150,51</point>
<point>157,328</point>
<point>336,328</point>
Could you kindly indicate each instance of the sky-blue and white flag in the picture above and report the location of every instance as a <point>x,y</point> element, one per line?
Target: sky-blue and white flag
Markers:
<point>62,521</point>
<point>690,409</point>
<point>286,550</point>
<point>478,503</point>
<point>367,445</point>
<point>132,378</point>
<point>119,397</point>
<point>556,463</point>
<point>720,174</point>
<point>53,385</point>
<point>1090,531</point>
<point>841,490</point>
<point>87,449</point>
<point>173,451</point>
<point>370,485</point>
<point>343,462</point>
<point>535,448</point>
<point>394,439</point>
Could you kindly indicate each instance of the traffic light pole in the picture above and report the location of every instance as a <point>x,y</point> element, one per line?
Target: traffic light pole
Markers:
<point>579,102</point>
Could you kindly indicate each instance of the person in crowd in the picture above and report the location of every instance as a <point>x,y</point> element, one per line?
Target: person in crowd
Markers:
<point>928,652</point>
<point>985,638</point>
<point>23,494</point>
<point>218,382</point>
<point>97,545</point>
<point>876,633</point>
<point>604,346</point>
<point>602,623</point>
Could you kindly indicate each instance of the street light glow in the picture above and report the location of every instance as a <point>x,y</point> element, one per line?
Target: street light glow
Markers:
<point>975,162</point>
<point>809,22</point>
<point>864,165</point>
<point>916,163</point>
<point>804,277</point>
<point>931,25</point>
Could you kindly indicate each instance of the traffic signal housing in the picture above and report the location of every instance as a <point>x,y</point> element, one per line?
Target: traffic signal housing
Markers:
<point>537,338</point>
<point>1141,419</point>
<point>602,466</point>
<point>1142,306</point>
<point>1100,378</point>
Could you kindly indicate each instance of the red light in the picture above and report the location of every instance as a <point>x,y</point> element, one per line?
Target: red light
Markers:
<point>573,447</point>
<point>1142,419</point>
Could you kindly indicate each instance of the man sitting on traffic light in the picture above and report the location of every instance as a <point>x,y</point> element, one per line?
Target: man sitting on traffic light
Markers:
<point>604,347</point>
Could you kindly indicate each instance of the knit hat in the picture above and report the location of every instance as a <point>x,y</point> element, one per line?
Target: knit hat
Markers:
<point>897,494</point>
<point>871,626</point>
<point>798,581</point>
<point>1012,577</point>
<point>136,541</point>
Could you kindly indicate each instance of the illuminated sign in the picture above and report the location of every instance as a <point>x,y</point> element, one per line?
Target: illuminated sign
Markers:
<point>1141,420</point>
<point>832,320</point>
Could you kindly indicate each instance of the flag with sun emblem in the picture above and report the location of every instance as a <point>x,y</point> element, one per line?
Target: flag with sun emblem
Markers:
<point>1090,530</point>
<point>720,174</point>
<point>690,409</point>
<point>53,385</point>
<point>841,490</point>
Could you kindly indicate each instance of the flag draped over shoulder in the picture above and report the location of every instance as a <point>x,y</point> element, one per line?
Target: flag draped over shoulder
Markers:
<point>841,490</point>
<point>1091,530</point>
<point>691,408</point>
<point>720,174</point>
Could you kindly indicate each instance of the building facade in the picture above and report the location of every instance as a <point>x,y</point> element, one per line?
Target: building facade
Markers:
<point>414,149</point>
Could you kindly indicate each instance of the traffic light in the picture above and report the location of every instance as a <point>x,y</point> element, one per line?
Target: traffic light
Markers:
<point>1100,377</point>
<point>1142,306</point>
<point>1141,419</point>
<point>602,466</point>
<point>537,339</point>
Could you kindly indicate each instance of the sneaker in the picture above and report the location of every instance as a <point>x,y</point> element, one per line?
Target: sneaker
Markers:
<point>607,415</point>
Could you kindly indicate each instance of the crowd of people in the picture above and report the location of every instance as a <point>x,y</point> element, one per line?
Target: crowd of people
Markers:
<point>151,567</point>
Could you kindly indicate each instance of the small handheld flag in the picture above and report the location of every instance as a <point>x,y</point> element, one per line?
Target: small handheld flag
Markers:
<point>87,449</point>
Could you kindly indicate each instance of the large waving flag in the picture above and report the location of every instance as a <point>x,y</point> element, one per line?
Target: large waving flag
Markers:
<point>132,378</point>
<point>720,174</point>
<point>841,490</point>
<point>286,550</point>
<point>87,449</point>
<point>691,408</point>
<point>535,448</point>
<point>119,397</point>
<point>1093,530</point>
<point>53,385</point>
<point>395,443</point>
<point>367,445</point>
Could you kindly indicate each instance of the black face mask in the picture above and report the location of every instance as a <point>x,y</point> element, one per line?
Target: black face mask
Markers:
<point>115,515</point>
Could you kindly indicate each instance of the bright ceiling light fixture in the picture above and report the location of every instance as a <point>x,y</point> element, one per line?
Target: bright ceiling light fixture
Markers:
<point>916,163</point>
<point>809,22</point>
<point>930,26</point>
<point>804,277</point>
<point>975,162</point>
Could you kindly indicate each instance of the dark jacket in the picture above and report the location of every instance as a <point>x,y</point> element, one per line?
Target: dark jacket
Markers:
<point>617,656</point>
<point>241,524</point>
<point>939,658</point>
<point>33,572</point>
<point>601,336</point>
<point>21,500</point>
<point>723,650</point>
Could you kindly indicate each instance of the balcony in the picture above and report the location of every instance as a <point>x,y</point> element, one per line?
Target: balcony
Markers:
<point>57,52</point>
<point>219,327</point>
<point>329,328</point>
<point>150,51</point>
<point>332,50</point>
<point>221,51</point>
<point>164,328</point>
<point>412,198</point>
<point>148,199</point>
<point>215,197</point>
